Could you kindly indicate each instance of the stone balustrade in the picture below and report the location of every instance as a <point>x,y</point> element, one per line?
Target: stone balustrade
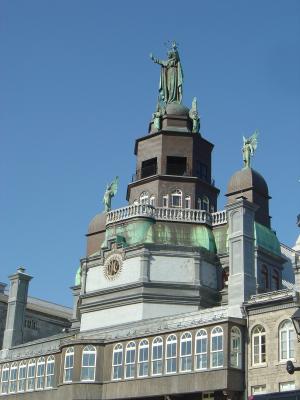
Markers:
<point>166,214</point>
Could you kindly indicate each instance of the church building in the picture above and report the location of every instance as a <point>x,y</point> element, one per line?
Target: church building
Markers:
<point>175,298</point>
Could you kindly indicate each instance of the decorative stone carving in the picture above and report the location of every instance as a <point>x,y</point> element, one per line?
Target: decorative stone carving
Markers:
<point>113,266</point>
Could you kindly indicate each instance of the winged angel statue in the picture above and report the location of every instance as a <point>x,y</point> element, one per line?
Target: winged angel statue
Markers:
<point>249,147</point>
<point>110,192</point>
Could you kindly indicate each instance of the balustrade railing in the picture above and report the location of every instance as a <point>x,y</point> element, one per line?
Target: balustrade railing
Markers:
<point>166,214</point>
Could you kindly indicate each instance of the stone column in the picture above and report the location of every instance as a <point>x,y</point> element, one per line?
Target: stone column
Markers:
<point>17,300</point>
<point>241,281</point>
<point>145,263</point>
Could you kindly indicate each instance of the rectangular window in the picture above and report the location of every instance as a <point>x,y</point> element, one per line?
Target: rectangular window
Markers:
<point>30,376</point>
<point>208,396</point>
<point>285,386</point>
<point>149,167</point>
<point>201,353</point>
<point>88,367</point>
<point>50,374</point>
<point>13,379</point>
<point>157,354</point>
<point>117,363</point>
<point>176,166</point>
<point>130,362</point>
<point>258,389</point>
<point>143,361</point>
<point>22,378</point>
<point>40,372</point>
<point>4,380</point>
<point>69,364</point>
<point>217,351</point>
<point>171,357</point>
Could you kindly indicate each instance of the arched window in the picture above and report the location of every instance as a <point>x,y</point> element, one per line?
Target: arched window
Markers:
<point>286,340</point>
<point>50,372</point>
<point>5,379</point>
<point>205,203</point>
<point>13,378</point>
<point>69,365</point>
<point>201,349</point>
<point>40,373</point>
<point>143,359</point>
<point>217,356</point>
<point>88,363</point>
<point>157,355</point>
<point>258,345</point>
<point>275,280</point>
<point>22,376</point>
<point>186,352</point>
<point>165,201</point>
<point>171,354</point>
<point>144,198</point>
<point>117,362</point>
<point>187,202</point>
<point>176,198</point>
<point>31,374</point>
<point>235,348</point>
<point>264,278</point>
<point>130,360</point>
<point>152,201</point>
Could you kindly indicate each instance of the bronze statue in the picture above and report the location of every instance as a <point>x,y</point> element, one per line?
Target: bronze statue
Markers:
<point>110,192</point>
<point>249,147</point>
<point>171,76</point>
<point>193,114</point>
<point>156,116</point>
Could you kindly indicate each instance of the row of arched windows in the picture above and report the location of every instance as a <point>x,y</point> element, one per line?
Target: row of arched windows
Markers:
<point>39,374</point>
<point>28,375</point>
<point>173,355</point>
<point>175,199</point>
<point>286,343</point>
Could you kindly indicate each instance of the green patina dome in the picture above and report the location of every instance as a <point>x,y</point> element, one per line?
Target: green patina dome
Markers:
<point>266,238</point>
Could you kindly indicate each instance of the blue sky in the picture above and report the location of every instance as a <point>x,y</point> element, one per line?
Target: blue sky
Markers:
<point>77,88</point>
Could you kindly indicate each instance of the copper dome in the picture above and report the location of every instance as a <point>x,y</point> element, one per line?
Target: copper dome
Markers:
<point>247,179</point>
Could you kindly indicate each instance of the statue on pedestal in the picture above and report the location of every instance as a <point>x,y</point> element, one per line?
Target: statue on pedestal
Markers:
<point>110,192</point>
<point>249,147</point>
<point>193,114</point>
<point>171,76</point>
<point>156,116</point>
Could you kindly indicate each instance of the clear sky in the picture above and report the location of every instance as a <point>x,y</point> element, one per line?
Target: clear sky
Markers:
<point>77,88</point>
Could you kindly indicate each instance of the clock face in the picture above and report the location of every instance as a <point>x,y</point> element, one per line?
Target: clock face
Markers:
<point>113,266</point>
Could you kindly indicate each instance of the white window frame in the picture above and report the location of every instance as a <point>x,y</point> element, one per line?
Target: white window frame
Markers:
<point>144,198</point>
<point>186,352</point>
<point>201,342</point>
<point>258,338</point>
<point>22,376</point>
<point>31,368</point>
<point>286,386</point>
<point>5,379</point>
<point>40,373</point>
<point>152,201</point>
<point>130,356</point>
<point>157,362</point>
<point>171,343</point>
<point>218,334</point>
<point>176,194</point>
<point>50,371</point>
<point>235,347</point>
<point>258,389</point>
<point>88,371</point>
<point>13,377</point>
<point>117,365</point>
<point>286,329</point>
<point>143,358</point>
<point>69,365</point>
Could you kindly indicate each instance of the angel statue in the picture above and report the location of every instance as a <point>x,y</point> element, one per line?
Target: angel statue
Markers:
<point>193,114</point>
<point>171,76</point>
<point>110,192</point>
<point>249,147</point>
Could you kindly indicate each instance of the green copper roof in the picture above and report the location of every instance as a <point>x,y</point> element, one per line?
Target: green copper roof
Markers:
<point>221,238</point>
<point>147,231</point>
<point>78,276</point>
<point>266,238</point>
<point>182,235</point>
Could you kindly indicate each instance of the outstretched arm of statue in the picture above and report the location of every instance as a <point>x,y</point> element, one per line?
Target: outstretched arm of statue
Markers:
<point>157,60</point>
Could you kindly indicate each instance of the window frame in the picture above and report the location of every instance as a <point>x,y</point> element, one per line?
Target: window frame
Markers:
<point>217,332</point>
<point>31,369</point>
<point>287,327</point>
<point>143,345</point>
<point>165,201</point>
<point>49,377</point>
<point>130,365</point>
<point>22,379</point>
<point>262,355</point>
<point>171,342</point>
<point>91,351</point>
<point>6,371</point>
<point>199,337</point>
<point>177,193</point>
<point>69,354</point>
<point>235,349</point>
<point>13,378</point>
<point>186,341</point>
<point>118,348</point>
<point>157,342</point>
<point>40,373</point>
<point>144,198</point>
